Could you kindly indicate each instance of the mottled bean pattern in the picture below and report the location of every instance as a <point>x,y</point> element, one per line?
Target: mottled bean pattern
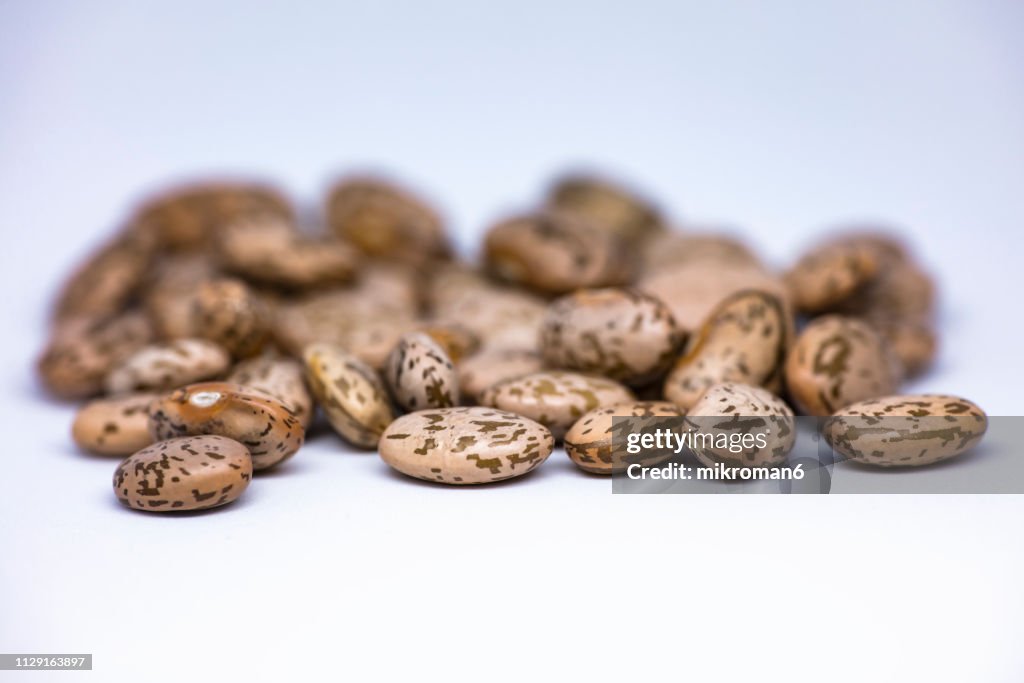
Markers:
<point>190,473</point>
<point>260,422</point>
<point>837,361</point>
<point>465,445</point>
<point>906,431</point>
<point>556,252</point>
<point>743,340</point>
<point>352,395</point>
<point>114,426</point>
<point>168,365</point>
<point>596,444</point>
<point>420,375</point>
<point>555,399</point>
<point>619,333</point>
<point>732,410</point>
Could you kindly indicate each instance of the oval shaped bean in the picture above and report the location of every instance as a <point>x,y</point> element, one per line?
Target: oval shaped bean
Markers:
<point>590,442</point>
<point>555,399</point>
<point>906,431</point>
<point>556,252</point>
<point>227,312</point>
<point>269,249</point>
<point>352,395</point>
<point>420,374</point>
<point>164,366</point>
<point>830,274</point>
<point>837,361</point>
<point>114,426</point>
<point>740,425</point>
<point>260,422</point>
<point>465,445</point>
<point>609,206</point>
<point>743,340</point>
<point>619,333</point>
<point>190,473</point>
<point>385,221</point>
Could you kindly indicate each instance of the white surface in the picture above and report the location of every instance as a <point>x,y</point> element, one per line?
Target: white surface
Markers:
<point>780,118</point>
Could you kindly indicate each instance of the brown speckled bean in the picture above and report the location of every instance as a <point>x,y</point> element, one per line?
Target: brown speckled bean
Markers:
<point>609,206</point>
<point>165,366</point>
<point>555,399</point>
<point>352,395</point>
<point>830,274</point>
<point>190,473</point>
<point>906,431</point>
<point>114,426</point>
<point>420,375</point>
<point>268,249</point>
<point>385,221</point>
<point>728,412</point>
<point>465,445</point>
<point>227,312</point>
<point>589,443</point>
<point>619,333</point>
<point>743,340</point>
<point>556,252</point>
<point>837,361</point>
<point>260,422</point>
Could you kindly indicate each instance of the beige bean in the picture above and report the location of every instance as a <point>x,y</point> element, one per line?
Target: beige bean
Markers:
<point>619,333</point>
<point>227,312</point>
<point>837,361</point>
<point>420,375</point>
<point>259,421</point>
<point>350,392</point>
<point>743,340</point>
<point>906,431</point>
<point>465,445</point>
<point>555,399</point>
<point>385,221</point>
<point>159,367</point>
<point>591,441</point>
<point>114,426</point>
<point>607,205</point>
<point>268,249</point>
<point>556,253</point>
<point>739,425</point>
<point>178,475</point>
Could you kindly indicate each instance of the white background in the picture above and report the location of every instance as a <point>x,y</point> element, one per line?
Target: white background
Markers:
<point>778,118</point>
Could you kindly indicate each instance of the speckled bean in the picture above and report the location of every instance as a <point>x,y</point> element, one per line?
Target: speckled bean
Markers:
<point>465,445</point>
<point>555,399</point>
<point>114,426</point>
<point>350,392</point>
<point>906,431</point>
<point>260,422</point>
<point>837,361</point>
<point>619,333</point>
<point>743,340</point>
<point>190,473</point>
